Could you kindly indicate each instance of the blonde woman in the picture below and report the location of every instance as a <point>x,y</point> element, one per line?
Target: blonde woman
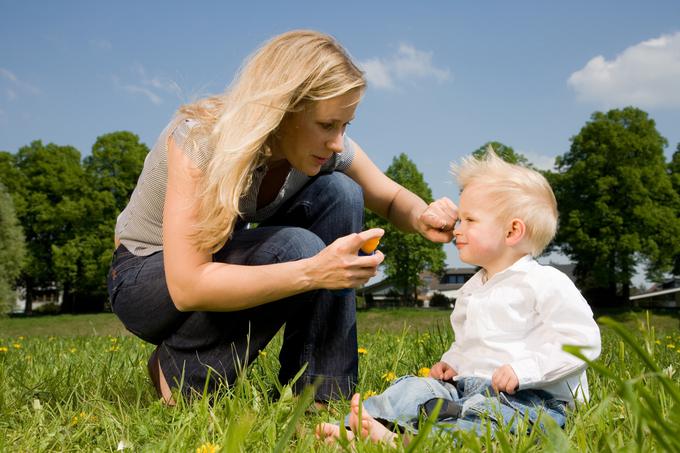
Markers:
<point>191,275</point>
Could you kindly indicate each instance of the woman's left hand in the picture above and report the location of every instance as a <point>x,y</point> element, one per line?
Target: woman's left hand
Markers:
<point>437,221</point>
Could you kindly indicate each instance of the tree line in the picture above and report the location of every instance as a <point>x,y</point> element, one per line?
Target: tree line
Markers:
<point>66,208</point>
<point>619,207</point>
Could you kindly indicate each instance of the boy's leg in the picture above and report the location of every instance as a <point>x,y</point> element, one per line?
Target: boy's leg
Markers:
<point>400,402</point>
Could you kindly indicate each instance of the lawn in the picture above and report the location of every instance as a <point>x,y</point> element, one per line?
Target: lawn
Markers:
<point>79,383</point>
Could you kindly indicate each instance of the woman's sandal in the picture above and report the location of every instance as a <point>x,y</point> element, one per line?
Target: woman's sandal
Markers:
<point>153,366</point>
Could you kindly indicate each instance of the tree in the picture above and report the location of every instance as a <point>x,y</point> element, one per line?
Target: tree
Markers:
<point>82,262</point>
<point>54,182</point>
<point>12,250</point>
<point>407,255</point>
<point>115,164</point>
<point>617,205</point>
<point>507,153</point>
<point>674,172</point>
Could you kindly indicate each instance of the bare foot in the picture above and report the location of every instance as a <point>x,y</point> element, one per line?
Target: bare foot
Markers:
<point>370,427</point>
<point>330,433</point>
<point>166,393</point>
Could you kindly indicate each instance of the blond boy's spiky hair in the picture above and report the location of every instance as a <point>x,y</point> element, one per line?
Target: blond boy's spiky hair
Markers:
<point>516,192</point>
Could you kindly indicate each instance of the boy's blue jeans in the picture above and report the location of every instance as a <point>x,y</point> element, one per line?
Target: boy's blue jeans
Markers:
<point>399,404</point>
<point>199,348</point>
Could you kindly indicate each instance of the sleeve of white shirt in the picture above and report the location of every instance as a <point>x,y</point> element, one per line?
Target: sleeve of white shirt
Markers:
<point>565,319</point>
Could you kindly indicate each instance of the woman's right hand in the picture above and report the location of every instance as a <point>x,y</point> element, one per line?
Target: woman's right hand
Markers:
<point>339,265</point>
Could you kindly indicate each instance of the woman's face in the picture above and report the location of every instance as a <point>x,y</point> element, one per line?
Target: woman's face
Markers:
<point>308,138</point>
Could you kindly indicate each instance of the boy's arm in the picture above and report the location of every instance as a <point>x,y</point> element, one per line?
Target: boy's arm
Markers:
<point>565,318</point>
<point>442,371</point>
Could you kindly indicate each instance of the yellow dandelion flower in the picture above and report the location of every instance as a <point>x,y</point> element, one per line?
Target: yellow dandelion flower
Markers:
<point>21,337</point>
<point>208,447</point>
<point>3,349</point>
<point>16,345</point>
<point>362,351</point>
<point>424,372</point>
<point>73,350</point>
<point>74,420</point>
<point>668,337</point>
<point>389,376</point>
<point>670,346</point>
<point>262,353</point>
<point>369,393</point>
<point>114,348</point>
<point>113,340</point>
<point>658,342</point>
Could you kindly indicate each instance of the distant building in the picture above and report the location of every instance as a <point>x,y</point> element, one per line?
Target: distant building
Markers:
<point>384,294</point>
<point>664,295</point>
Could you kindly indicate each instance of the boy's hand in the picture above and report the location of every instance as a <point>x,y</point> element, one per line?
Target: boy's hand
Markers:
<point>442,371</point>
<point>504,379</point>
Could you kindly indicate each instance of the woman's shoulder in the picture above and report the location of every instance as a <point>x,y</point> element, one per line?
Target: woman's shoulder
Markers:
<point>189,136</point>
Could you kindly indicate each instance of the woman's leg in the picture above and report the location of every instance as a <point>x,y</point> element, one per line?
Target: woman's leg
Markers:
<point>324,335</point>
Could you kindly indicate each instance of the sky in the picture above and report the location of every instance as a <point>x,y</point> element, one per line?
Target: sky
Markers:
<point>444,77</point>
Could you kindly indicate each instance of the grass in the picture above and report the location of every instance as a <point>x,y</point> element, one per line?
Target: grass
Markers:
<point>78,383</point>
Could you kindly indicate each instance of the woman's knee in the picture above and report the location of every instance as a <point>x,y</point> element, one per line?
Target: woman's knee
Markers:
<point>346,190</point>
<point>288,244</point>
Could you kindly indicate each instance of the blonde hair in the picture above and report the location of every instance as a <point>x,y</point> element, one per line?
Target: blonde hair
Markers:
<point>286,73</point>
<point>516,191</point>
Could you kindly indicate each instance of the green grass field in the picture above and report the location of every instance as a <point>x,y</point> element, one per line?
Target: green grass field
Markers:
<point>79,383</point>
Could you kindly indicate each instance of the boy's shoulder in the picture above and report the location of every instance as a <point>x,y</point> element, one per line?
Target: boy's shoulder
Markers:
<point>543,274</point>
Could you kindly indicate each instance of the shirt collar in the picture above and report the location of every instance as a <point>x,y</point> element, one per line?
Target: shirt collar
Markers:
<point>477,280</point>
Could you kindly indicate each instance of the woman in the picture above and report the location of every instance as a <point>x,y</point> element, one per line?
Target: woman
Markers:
<point>189,274</point>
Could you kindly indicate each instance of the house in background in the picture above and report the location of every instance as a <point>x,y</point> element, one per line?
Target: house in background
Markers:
<point>384,294</point>
<point>664,295</point>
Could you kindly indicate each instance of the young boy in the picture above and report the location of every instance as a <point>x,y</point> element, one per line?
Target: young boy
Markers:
<point>510,320</point>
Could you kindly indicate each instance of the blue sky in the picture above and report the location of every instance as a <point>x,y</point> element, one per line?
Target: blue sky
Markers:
<point>444,76</point>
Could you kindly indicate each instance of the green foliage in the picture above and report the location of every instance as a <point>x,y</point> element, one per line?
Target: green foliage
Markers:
<point>407,255</point>
<point>616,201</point>
<point>54,183</point>
<point>507,153</point>
<point>68,212</point>
<point>674,172</point>
<point>115,164</point>
<point>12,250</point>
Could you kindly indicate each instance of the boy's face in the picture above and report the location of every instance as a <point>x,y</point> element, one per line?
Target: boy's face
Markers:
<point>480,236</point>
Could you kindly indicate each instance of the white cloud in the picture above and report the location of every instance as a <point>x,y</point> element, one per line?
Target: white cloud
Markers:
<point>134,89</point>
<point>101,44</point>
<point>15,86</point>
<point>151,87</point>
<point>408,63</point>
<point>8,75</point>
<point>540,161</point>
<point>645,75</point>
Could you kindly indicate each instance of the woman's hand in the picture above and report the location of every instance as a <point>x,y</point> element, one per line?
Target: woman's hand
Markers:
<point>340,266</point>
<point>442,371</point>
<point>437,221</point>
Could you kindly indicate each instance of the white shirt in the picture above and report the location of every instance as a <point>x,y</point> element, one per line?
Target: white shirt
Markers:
<point>523,316</point>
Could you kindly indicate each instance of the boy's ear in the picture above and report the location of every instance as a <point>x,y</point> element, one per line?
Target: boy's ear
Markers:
<point>515,232</point>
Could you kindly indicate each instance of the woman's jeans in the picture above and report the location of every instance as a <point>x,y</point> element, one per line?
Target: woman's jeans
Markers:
<point>320,326</point>
<point>479,405</point>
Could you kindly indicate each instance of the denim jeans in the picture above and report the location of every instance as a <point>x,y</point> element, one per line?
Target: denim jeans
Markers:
<point>320,326</point>
<point>481,406</point>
